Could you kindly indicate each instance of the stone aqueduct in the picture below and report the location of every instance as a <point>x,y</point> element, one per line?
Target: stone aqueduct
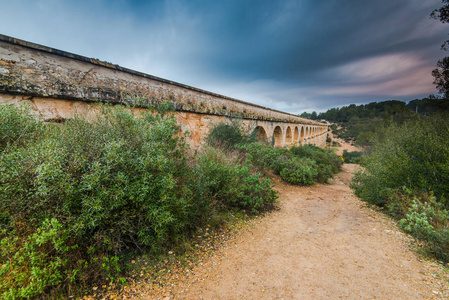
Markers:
<point>59,85</point>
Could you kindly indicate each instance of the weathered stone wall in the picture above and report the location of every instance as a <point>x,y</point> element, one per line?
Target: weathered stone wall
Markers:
<point>59,84</point>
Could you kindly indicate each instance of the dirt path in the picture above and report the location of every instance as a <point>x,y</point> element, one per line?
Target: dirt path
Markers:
<point>323,243</point>
<point>343,145</point>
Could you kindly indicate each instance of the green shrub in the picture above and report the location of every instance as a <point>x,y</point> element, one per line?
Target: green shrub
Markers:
<point>353,157</point>
<point>299,171</point>
<point>414,155</point>
<point>426,219</point>
<point>230,185</point>
<point>31,265</point>
<point>327,161</point>
<point>228,135</point>
<point>303,165</point>
<point>117,172</point>
<point>264,157</point>
<point>256,193</point>
<point>76,200</point>
<point>17,125</point>
<point>407,173</point>
<point>113,183</point>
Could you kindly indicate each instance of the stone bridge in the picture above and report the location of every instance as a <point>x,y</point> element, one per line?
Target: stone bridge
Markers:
<point>59,85</point>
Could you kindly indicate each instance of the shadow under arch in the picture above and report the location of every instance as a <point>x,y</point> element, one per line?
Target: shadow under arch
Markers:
<point>296,136</point>
<point>277,137</point>
<point>288,135</point>
<point>260,133</point>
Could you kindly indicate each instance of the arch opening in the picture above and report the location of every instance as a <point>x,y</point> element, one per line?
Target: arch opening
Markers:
<point>296,135</point>
<point>277,137</point>
<point>288,135</point>
<point>260,133</point>
<point>301,136</point>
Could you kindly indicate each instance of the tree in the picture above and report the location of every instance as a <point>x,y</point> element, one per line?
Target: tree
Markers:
<point>442,14</point>
<point>441,73</point>
<point>305,115</point>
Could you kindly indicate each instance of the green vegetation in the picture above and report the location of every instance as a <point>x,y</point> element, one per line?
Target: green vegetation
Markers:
<point>78,199</point>
<point>353,157</point>
<point>227,135</point>
<point>407,170</point>
<point>17,125</point>
<point>228,184</point>
<point>407,174</point>
<point>304,165</point>
<point>359,123</point>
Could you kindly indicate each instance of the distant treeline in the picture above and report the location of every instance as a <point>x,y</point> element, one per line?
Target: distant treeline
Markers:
<point>428,105</point>
<point>359,122</point>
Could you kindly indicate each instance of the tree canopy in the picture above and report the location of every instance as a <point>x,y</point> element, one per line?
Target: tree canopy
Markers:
<point>441,73</point>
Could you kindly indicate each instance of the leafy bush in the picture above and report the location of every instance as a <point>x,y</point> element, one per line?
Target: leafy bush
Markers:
<point>17,125</point>
<point>326,160</point>
<point>34,263</point>
<point>228,135</point>
<point>232,185</point>
<point>75,200</point>
<point>427,220</point>
<point>265,157</point>
<point>303,165</point>
<point>299,171</point>
<point>414,155</point>
<point>114,183</point>
<point>353,157</point>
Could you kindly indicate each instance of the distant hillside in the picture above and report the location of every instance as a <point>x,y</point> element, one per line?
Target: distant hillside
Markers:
<point>359,122</point>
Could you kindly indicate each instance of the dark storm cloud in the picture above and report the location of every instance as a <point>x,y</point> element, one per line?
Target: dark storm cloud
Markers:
<point>292,39</point>
<point>288,55</point>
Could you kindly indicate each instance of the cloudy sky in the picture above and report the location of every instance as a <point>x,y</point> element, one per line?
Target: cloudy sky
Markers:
<point>290,55</point>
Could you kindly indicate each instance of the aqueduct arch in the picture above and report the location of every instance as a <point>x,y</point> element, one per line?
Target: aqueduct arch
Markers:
<point>296,136</point>
<point>277,136</point>
<point>288,135</point>
<point>260,133</point>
